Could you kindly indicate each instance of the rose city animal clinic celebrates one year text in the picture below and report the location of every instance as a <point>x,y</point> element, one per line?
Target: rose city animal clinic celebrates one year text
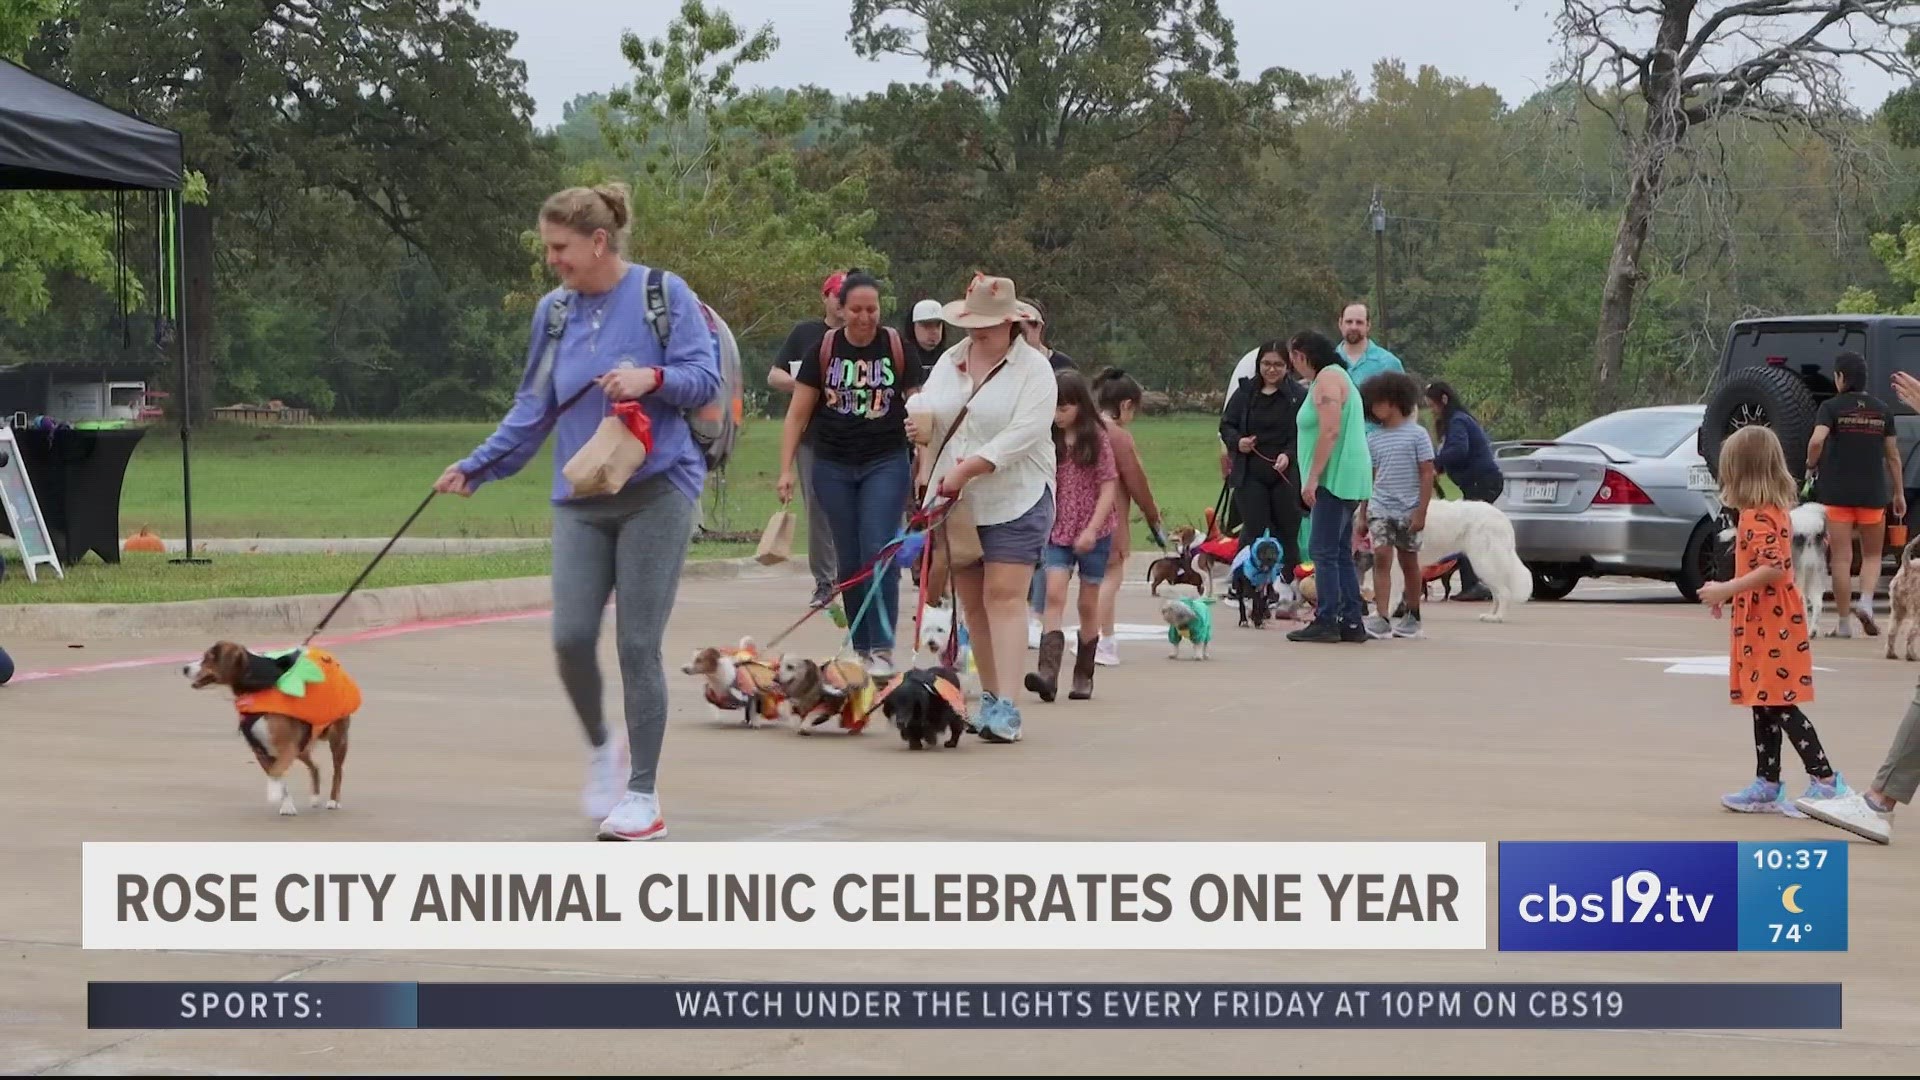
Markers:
<point>786,896</point>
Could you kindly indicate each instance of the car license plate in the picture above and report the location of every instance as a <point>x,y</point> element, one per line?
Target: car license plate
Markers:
<point>1700,478</point>
<point>1540,491</point>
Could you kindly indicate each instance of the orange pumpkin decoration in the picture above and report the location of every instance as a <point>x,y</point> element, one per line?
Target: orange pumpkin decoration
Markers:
<point>145,540</point>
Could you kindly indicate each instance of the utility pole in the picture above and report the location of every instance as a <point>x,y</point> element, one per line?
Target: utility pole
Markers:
<point>1379,214</point>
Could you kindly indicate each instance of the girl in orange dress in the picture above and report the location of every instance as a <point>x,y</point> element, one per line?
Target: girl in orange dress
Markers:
<point>1771,660</point>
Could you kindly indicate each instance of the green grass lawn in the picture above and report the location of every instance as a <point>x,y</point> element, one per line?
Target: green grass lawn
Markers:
<point>148,579</point>
<point>362,480</point>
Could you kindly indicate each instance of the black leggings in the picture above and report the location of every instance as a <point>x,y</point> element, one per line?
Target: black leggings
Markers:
<point>1270,501</point>
<point>1768,723</point>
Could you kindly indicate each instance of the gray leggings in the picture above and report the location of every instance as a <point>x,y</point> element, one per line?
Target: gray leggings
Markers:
<point>630,546</point>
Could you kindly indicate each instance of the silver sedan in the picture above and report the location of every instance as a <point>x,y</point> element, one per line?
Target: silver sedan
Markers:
<point>1612,497</point>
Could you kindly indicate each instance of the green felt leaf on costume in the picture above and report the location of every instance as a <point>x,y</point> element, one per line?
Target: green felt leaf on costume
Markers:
<point>303,671</point>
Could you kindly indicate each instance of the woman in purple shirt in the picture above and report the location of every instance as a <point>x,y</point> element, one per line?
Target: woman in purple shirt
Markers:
<point>630,544</point>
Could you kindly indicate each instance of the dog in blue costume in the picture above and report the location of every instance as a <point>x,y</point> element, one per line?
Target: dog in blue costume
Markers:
<point>1256,574</point>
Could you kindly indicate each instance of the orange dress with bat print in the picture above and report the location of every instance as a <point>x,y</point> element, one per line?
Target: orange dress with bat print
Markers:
<point>1772,661</point>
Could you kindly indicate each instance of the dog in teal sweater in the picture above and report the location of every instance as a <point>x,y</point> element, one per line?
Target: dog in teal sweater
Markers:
<point>1189,618</point>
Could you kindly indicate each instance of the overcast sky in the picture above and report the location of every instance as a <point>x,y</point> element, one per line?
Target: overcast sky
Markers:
<point>572,47</point>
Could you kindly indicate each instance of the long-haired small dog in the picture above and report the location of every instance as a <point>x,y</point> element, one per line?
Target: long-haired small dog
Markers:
<point>816,692</point>
<point>922,703</point>
<point>1903,593</point>
<point>738,680</point>
<point>1188,618</point>
<point>936,632</point>
<point>279,727</point>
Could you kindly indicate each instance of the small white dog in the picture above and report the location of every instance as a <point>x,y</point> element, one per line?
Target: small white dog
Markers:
<point>936,629</point>
<point>1483,533</point>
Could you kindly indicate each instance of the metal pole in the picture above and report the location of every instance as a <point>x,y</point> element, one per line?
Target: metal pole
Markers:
<point>1379,214</point>
<point>178,236</point>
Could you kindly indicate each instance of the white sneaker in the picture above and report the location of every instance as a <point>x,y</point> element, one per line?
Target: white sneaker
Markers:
<point>1852,813</point>
<point>606,776</point>
<point>1107,653</point>
<point>1033,630</point>
<point>880,665</point>
<point>636,818</point>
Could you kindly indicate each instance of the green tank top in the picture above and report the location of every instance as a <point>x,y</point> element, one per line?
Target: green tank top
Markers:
<point>1348,471</point>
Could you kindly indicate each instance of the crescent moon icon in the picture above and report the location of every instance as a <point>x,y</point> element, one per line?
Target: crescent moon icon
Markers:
<point>1787,900</point>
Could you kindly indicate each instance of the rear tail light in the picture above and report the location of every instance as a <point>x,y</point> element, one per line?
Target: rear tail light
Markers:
<point>1617,490</point>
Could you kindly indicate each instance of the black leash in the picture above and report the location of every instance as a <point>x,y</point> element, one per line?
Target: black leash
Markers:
<point>418,510</point>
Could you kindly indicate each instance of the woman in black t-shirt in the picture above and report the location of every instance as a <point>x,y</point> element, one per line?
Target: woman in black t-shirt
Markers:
<point>1258,428</point>
<point>851,396</point>
<point>1853,433</point>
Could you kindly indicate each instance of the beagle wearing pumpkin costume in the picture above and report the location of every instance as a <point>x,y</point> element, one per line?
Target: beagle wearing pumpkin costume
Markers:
<point>286,701</point>
<point>738,679</point>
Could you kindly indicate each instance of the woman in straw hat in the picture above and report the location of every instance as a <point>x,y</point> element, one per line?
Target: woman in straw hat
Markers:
<point>999,461</point>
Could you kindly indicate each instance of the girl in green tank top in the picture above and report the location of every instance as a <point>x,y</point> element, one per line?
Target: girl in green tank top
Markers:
<point>1348,470</point>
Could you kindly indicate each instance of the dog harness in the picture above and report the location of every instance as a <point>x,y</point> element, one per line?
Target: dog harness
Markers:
<point>314,690</point>
<point>1200,630</point>
<point>851,696</point>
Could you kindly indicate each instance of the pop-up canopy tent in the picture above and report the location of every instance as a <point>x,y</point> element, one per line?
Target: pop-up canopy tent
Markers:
<point>52,138</point>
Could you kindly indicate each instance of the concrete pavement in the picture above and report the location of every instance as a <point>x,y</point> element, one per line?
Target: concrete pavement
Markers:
<point>1553,726</point>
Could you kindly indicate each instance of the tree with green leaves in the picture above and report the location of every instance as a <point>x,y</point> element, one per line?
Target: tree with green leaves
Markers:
<point>717,189</point>
<point>44,233</point>
<point>1105,154</point>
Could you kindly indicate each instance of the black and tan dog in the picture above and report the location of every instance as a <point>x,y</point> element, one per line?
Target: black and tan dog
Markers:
<point>922,702</point>
<point>285,702</point>
<point>1177,568</point>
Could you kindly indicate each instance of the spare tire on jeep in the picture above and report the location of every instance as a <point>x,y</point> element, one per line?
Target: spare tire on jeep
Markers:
<point>1769,396</point>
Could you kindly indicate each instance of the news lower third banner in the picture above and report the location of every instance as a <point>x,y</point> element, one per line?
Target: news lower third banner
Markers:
<point>822,896</point>
<point>921,1006</point>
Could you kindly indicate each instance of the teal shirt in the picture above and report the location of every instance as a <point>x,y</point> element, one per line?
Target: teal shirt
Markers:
<point>1348,470</point>
<point>1375,361</point>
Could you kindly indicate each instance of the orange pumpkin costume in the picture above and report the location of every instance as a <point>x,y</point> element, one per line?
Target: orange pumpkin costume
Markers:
<point>1772,661</point>
<point>315,690</point>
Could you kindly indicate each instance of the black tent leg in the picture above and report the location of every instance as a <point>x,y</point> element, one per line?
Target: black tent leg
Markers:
<point>186,377</point>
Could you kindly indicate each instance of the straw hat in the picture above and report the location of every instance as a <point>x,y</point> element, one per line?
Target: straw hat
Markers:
<point>989,302</point>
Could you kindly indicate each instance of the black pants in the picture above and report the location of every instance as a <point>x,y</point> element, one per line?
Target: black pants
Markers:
<point>1768,724</point>
<point>1270,502</point>
<point>1486,489</point>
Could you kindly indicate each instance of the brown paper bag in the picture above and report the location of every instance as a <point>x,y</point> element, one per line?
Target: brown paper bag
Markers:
<point>957,540</point>
<point>776,540</point>
<point>608,460</point>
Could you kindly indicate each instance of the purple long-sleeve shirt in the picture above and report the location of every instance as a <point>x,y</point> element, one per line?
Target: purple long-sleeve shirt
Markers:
<point>690,375</point>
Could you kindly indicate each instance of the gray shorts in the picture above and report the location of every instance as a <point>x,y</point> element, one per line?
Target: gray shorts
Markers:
<point>1021,540</point>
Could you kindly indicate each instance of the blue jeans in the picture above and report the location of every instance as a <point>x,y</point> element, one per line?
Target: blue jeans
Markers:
<point>1330,542</point>
<point>1092,565</point>
<point>866,504</point>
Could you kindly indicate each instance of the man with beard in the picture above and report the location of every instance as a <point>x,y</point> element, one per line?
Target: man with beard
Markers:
<point>1364,357</point>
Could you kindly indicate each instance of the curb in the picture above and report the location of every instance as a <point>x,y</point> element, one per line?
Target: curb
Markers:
<point>279,615</point>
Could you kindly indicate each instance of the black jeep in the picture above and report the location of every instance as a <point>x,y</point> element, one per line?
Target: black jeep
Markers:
<point>1777,371</point>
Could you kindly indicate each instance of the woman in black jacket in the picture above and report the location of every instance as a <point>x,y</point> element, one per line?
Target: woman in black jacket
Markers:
<point>1465,456</point>
<point>1259,428</point>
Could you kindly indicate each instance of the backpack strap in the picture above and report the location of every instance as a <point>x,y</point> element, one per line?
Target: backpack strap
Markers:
<point>899,351</point>
<point>657,316</point>
<point>826,351</point>
<point>556,326</point>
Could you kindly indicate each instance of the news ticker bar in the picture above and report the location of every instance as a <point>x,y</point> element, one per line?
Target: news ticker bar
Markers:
<point>908,1006</point>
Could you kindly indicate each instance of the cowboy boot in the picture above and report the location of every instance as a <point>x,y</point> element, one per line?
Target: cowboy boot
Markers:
<point>1083,670</point>
<point>1046,681</point>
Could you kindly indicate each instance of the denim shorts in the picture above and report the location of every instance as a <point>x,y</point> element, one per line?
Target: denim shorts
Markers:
<point>1092,565</point>
<point>1019,541</point>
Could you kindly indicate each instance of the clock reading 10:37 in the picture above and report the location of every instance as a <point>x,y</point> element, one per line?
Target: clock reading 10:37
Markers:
<point>1793,897</point>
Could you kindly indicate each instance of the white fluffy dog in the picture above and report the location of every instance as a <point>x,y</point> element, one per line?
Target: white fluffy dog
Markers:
<point>1481,532</point>
<point>936,629</point>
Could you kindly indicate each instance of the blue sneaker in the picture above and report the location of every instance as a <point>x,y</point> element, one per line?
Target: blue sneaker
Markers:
<point>1761,797</point>
<point>1835,788</point>
<point>977,722</point>
<point>1002,724</point>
